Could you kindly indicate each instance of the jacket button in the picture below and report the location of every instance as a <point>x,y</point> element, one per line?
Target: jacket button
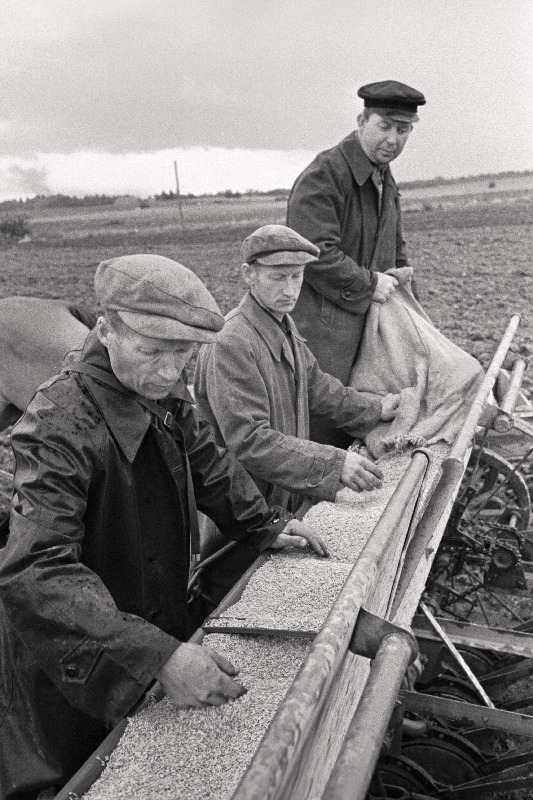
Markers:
<point>71,671</point>
<point>347,295</point>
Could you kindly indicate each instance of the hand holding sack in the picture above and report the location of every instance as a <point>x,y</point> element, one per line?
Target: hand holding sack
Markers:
<point>403,353</point>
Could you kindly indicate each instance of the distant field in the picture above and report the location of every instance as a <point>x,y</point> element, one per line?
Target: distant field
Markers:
<point>471,252</point>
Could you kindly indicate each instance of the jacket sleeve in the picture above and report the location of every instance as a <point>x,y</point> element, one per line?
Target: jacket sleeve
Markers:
<point>334,402</point>
<point>99,658</point>
<point>316,209</point>
<point>298,465</point>
<point>224,490</point>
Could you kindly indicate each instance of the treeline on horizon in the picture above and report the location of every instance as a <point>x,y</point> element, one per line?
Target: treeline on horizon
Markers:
<point>69,201</point>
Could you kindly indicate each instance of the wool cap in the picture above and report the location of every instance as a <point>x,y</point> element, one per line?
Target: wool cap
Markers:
<point>158,297</point>
<point>277,246</point>
<point>391,96</point>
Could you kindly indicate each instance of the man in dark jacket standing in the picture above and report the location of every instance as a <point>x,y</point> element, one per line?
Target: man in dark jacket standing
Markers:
<point>110,461</point>
<point>347,203</point>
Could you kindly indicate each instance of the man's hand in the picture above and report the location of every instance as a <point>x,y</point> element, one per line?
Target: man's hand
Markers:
<point>296,534</point>
<point>360,474</point>
<point>389,407</point>
<point>198,676</point>
<point>384,288</point>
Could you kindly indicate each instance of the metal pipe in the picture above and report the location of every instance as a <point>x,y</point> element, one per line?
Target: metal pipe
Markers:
<point>275,763</point>
<point>360,751</point>
<point>462,443</point>
<point>457,655</point>
<point>495,719</point>
<point>452,470</point>
<point>451,474</point>
<point>504,420</point>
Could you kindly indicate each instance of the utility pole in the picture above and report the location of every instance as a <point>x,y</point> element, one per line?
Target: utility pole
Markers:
<point>178,194</point>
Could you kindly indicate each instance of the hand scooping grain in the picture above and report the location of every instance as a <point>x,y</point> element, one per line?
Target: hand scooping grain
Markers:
<point>196,676</point>
<point>296,534</point>
<point>360,474</point>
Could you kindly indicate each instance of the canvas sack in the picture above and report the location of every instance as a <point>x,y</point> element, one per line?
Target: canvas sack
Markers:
<point>403,352</point>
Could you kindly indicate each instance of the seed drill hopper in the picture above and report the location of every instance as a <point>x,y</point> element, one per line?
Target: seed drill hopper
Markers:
<point>388,702</point>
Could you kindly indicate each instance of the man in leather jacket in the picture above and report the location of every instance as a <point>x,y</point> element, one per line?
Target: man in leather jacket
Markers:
<point>111,462</point>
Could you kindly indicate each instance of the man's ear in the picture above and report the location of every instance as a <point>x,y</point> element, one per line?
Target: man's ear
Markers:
<point>102,330</point>
<point>248,273</point>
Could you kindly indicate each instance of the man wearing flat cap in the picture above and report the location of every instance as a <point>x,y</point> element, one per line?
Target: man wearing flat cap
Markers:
<point>346,202</point>
<point>111,460</point>
<point>258,382</point>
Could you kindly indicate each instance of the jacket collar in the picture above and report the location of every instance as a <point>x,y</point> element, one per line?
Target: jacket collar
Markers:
<point>266,326</point>
<point>127,420</point>
<point>357,159</point>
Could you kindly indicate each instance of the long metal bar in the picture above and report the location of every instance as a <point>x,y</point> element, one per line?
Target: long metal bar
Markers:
<point>242,630</point>
<point>512,642</point>
<point>457,656</point>
<point>466,433</point>
<point>468,713</point>
<point>452,468</point>
<point>494,785</point>
<point>353,770</point>
<point>274,764</point>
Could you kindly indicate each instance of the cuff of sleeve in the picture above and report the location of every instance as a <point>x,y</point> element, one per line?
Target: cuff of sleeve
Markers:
<point>365,422</point>
<point>263,539</point>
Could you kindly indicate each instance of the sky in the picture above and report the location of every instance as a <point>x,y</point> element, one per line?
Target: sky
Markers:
<point>101,96</point>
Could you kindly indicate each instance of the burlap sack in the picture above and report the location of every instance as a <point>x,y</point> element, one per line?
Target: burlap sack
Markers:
<point>402,352</point>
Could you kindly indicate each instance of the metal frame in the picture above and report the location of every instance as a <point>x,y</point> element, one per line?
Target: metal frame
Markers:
<point>279,764</point>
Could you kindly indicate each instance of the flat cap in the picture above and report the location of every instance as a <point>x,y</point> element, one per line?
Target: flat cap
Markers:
<point>392,96</point>
<point>158,297</point>
<point>276,246</point>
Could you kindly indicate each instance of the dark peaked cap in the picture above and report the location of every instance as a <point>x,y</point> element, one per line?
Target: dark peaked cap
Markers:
<point>391,94</point>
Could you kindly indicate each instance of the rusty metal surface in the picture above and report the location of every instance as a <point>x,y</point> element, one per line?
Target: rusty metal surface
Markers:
<point>452,472</point>
<point>465,633</point>
<point>353,771</point>
<point>456,655</point>
<point>468,713</point>
<point>370,631</point>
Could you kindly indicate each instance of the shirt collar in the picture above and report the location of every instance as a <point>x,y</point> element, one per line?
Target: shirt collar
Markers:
<point>357,159</point>
<point>267,326</point>
<point>127,420</point>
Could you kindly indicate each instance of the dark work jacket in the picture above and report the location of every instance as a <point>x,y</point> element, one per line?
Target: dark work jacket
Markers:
<point>93,578</point>
<point>335,204</point>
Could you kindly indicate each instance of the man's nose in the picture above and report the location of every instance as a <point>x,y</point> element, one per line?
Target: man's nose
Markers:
<point>290,289</point>
<point>170,369</point>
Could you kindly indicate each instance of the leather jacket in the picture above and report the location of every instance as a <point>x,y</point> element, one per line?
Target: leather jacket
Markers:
<point>93,578</point>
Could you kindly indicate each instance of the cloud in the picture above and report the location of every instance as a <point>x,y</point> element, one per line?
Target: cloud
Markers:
<point>140,77</point>
<point>17,180</point>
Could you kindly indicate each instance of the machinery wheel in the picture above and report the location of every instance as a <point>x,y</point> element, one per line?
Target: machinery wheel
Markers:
<point>446,756</point>
<point>481,662</point>
<point>401,772</point>
<point>484,545</point>
<point>485,495</point>
<point>452,688</point>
